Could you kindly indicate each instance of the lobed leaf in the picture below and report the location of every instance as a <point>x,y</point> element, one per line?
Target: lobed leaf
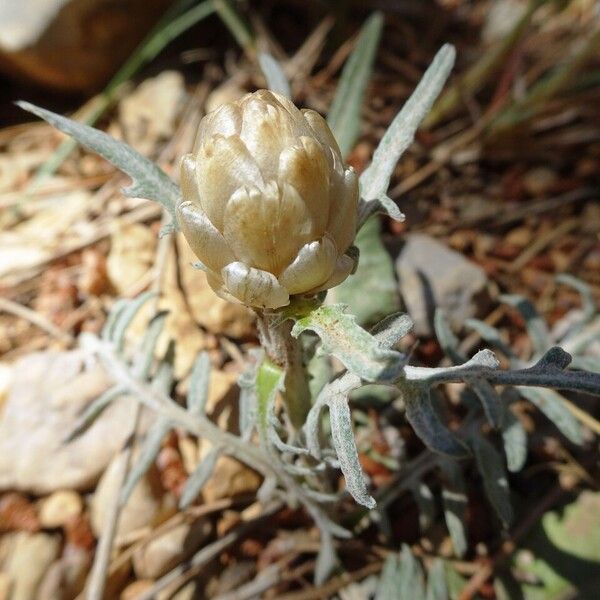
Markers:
<point>358,350</point>
<point>149,181</point>
<point>390,330</point>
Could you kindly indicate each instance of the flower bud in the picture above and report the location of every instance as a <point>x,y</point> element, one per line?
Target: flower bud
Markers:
<point>267,205</point>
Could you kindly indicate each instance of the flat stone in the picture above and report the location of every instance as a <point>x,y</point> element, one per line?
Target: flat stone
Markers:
<point>164,552</point>
<point>31,556</point>
<point>434,276</point>
<point>48,392</point>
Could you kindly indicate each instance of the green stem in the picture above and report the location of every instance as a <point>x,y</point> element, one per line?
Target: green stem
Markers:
<point>286,352</point>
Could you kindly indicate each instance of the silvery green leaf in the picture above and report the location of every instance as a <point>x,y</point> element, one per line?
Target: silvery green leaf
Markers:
<point>437,588</point>
<point>143,362</point>
<point>425,503</point>
<point>490,400</point>
<point>344,114</point>
<point>282,446</point>
<point>375,273</point>
<point>357,349</point>
<point>427,424</point>
<point>389,331</point>
<point>247,401</point>
<point>340,387</point>
<point>375,181</point>
<point>94,410</point>
<point>382,205</point>
<point>389,582</point>
<point>514,439</point>
<point>454,497</point>
<point>126,316</point>
<point>536,326</point>
<point>199,381</point>
<point>320,497</point>
<point>293,469</point>
<point>115,312</point>
<point>490,464</point>
<point>343,441</point>
<point>551,404</point>
<point>410,576</point>
<point>491,335</point>
<point>448,341</point>
<point>198,478</point>
<point>589,307</point>
<point>319,371</point>
<point>149,452</point>
<point>276,79</point>
<point>149,181</point>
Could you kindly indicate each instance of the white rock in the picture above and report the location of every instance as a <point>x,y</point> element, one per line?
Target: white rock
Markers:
<point>164,552</point>
<point>433,276</point>
<point>30,558</point>
<point>141,510</point>
<point>59,508</point>
<point>48,392</point>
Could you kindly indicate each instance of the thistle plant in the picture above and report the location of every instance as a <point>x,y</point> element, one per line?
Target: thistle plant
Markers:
<point>268,206</point>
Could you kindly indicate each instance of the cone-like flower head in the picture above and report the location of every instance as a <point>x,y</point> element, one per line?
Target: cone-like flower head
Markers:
<point>267,204</point>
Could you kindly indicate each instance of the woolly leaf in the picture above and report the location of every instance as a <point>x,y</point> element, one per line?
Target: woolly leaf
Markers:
<point>389,331</point>
<point>144,361</point>
<point>126,316</point>
<point>552,405</point>
<point>427,424</point>
<point>490,335</point>
<point>514,439</point>
<point>149,452</point>
<point>425,503</point>
<point>536,326</point>
<point>389,582</point>
<point>437,588</point>
<point>490,400</point>
<point>357,349</point>
<point>375,181</point>
<point>149,181</point>
<point>410,576</point>
<point>94,410</point>
<point>199,380</point>
<point>455,501</point>
<point>198,478</point>
<point>375,273</point>
<point>345,447</point>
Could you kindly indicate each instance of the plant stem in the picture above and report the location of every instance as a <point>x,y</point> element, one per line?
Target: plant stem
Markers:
<point>286,352</point>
